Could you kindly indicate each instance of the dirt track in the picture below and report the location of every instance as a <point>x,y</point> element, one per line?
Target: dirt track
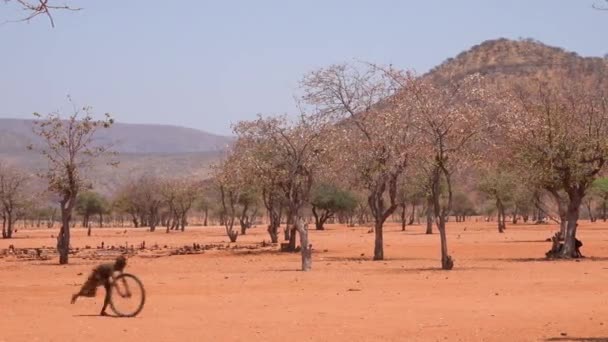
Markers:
<point>500,289</point>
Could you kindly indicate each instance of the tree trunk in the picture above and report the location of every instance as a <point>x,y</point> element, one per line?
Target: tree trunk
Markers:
<point>429,217</point>
<point>446,260</point>
<point>563,214</point>
<point>292,236</point>
<point>563,225</point>
<point>243,219</point>
<point>89,231</point>
<point>274,216</point>
<point>287,233</point>
<point>206,216</point>
<point>378,243</point>
<point>4,227</point>
<point>413,215</point>
<point>63,239</point>
<point>9,228</point>
<point>305,247</point>
<point>100,220</point>
<point>273,231</point>
<point>152,224</point>
<point>403,217</point>
<point>501,214</point>
<point>232,234</point>
<point>569,249</point>
<point>604,209</point>
<point>318,222</point>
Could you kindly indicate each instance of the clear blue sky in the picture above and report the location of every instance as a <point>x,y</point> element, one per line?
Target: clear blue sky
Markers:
<point>207,64</point>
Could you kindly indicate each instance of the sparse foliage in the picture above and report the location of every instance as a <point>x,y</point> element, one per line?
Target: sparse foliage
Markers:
<point>69,147</point>
<point>14,197</point>
<point>559,129</point>
<point>375,137</point>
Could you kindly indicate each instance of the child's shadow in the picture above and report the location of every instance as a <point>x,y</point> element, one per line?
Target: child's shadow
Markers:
<point>98,315</point>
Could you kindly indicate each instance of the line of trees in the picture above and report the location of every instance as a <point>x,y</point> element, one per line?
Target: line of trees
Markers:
<point>389,135</point>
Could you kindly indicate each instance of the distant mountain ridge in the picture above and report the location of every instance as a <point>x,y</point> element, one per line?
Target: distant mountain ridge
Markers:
<point>16,134</point>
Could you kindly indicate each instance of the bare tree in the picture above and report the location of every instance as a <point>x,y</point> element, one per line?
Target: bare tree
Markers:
<point>248,201</point>
<point>14,197</point>
<point>558,127</point>
<point>284,155</point>
<point>34,8</point>
<point>148,195</point>
<point>376,136</point>
<point>230,181</point>
<point>187,194</point>
<point>449,118</point>
<point>70,149</point>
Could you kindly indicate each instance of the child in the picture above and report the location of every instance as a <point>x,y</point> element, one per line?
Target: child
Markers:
<point>101,275</point>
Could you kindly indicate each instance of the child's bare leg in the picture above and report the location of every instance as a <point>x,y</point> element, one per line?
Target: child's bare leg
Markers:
<point>106,299</point>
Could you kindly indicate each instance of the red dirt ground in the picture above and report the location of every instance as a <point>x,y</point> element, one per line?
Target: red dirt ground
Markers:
<point>500,290</point>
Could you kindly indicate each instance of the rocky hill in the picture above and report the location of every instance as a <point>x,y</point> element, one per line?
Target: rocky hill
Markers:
<point>502,59</point>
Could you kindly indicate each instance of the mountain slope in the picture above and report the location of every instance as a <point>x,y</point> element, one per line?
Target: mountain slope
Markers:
<point>165,151</point>
<point>15,134</point>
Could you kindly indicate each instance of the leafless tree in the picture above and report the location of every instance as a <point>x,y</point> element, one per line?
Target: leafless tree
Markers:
<point>14,197</point>
<point>34,8</point>
<point>375,139</point>
<point>69,147</point>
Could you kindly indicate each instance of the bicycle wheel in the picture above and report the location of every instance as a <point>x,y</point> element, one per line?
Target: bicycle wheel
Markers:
<point>127,296</point>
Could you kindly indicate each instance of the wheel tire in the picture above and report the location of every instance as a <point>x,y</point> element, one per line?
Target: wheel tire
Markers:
<point>142,300</point>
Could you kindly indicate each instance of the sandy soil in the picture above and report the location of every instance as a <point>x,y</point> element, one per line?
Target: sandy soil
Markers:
<point>500,289</point>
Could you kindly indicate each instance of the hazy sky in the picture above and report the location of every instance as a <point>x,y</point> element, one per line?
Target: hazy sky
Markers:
<point>207,64</point>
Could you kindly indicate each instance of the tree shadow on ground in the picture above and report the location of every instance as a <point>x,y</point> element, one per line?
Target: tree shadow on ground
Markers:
<point>580,339</point>
<point>526,241</point>
<point>437,269</point>
<point>544,259</point>
<point>100,316</point>
<point>369,259</point>
<point>255,252</point>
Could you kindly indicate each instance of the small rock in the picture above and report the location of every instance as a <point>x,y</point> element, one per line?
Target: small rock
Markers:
<point>563,334</point>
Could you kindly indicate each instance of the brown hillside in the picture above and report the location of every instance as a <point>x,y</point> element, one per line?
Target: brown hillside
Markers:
<point>503,58</point>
